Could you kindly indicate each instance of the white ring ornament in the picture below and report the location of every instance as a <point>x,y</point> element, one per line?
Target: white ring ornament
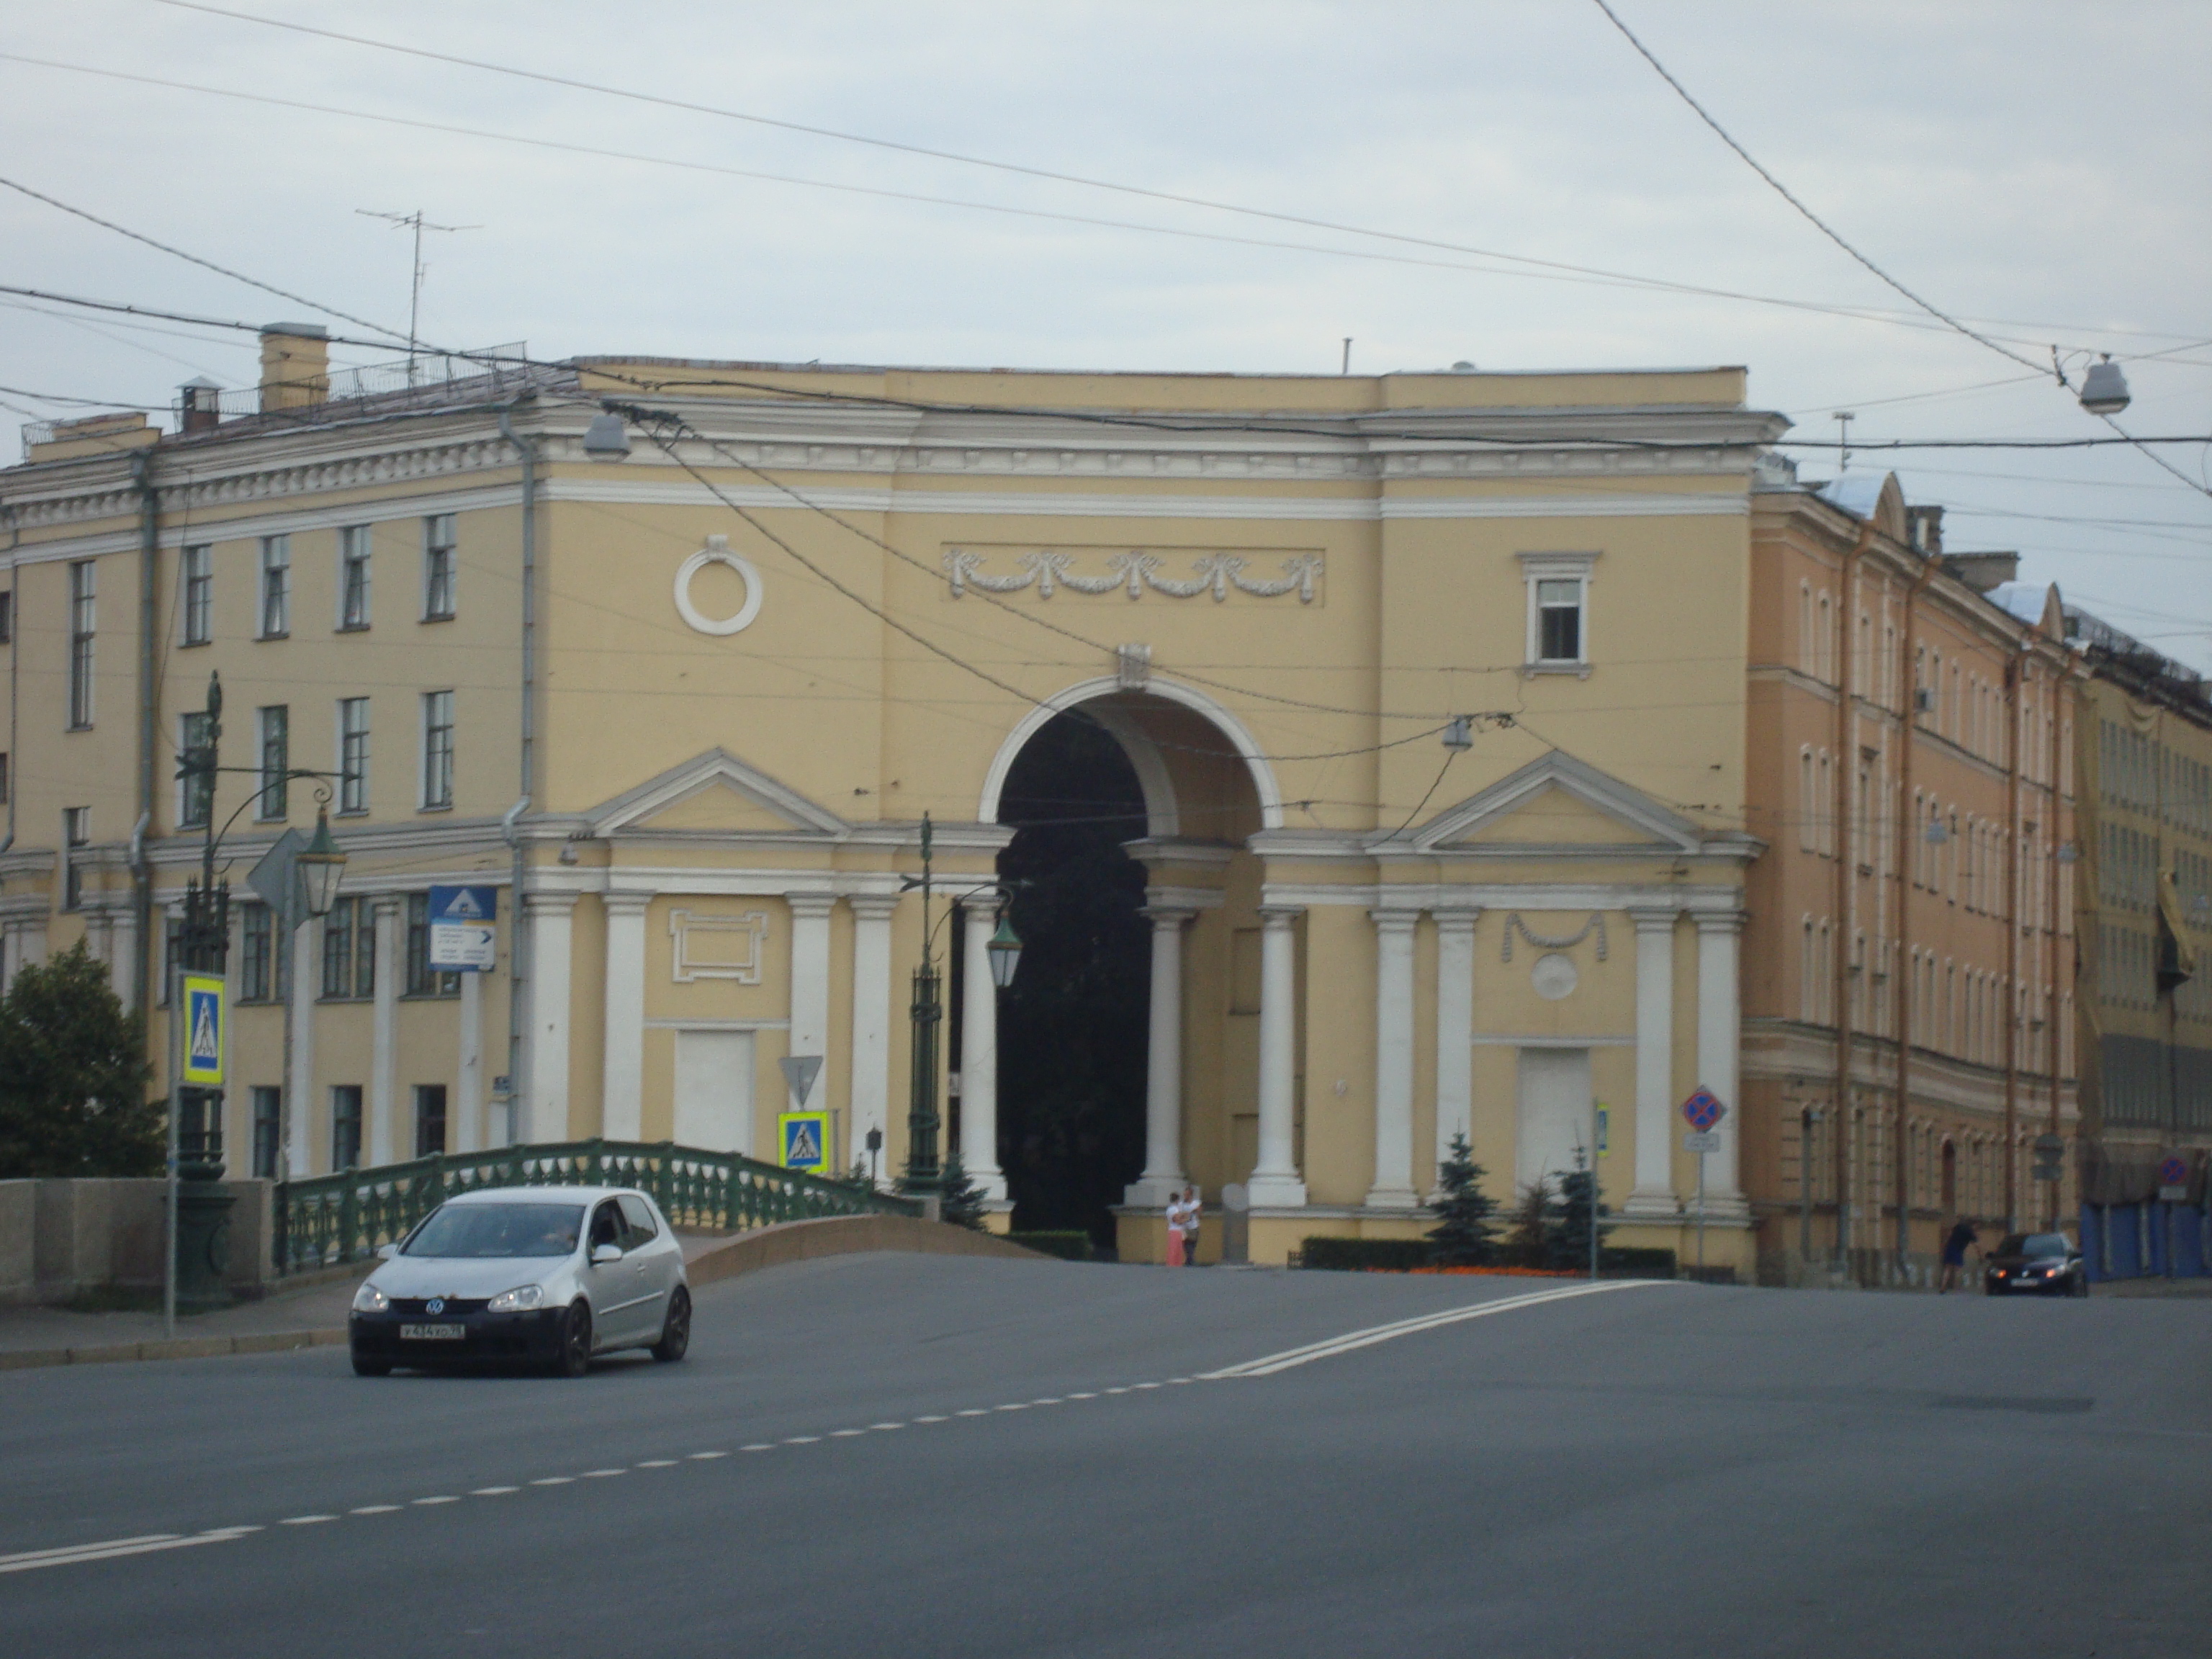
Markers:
<point>717,551</point>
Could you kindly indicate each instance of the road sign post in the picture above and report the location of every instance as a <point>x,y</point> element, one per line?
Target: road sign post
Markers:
<point>1701,1111</point>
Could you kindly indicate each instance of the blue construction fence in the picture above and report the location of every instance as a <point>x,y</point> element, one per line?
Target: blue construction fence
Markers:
<point>2145,1240</point>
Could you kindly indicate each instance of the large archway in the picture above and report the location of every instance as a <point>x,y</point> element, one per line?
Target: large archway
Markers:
<point>1116,796</point>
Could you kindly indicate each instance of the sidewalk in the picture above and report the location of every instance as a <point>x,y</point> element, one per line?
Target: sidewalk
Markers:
<point>2173,1287</point>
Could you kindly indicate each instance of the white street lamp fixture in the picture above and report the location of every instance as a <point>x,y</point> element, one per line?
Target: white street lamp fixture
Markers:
<point>320,865</point>
<point>2104,389</point>
<point>1005,953</point>
<point>607,439</point>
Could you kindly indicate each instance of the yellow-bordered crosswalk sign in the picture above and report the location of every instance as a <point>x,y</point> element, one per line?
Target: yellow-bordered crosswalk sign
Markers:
<point>803,1138</point>
<point>204,1017</point>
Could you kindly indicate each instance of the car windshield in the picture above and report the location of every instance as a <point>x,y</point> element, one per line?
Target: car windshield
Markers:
<point>2033,1244</point>
<point>498,1230</point>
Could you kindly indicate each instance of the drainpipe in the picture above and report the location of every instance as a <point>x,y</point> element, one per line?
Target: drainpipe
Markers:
<point>15,660</point>
<point>1907,847</point>
<point>1847,756</point>
<point>149,665</point>
<point>2015,678</point>
<point>2057,872</point>
<point>518,942</point>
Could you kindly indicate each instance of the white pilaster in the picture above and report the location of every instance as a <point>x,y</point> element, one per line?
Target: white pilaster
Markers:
<point>544,1106</point>
<point>1163,1172</point>
<point>622,1110</point>
<point>979,1058</point>
<point>1275,1182</point>
<point>383,1039</point>
<point>871,1020</point>
<point>1654,1192</point>
<point>1454,1032</point>
<point>467,1117</point>
<point>11,947</point>
<point>1719,1053</point>
<point>299,1074</point>
<point>1393,1060</point>
<point>810,989</point>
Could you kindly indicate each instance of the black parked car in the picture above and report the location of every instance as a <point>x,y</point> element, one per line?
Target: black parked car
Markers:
<point>2048,1263</point>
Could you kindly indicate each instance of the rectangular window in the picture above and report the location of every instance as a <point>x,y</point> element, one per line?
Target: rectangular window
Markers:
<point>83,620</point>
<point>350,951</point>
<point>430,1119</point>
<point>276,723</point>
<point>353,576</point>
<point>268,1118</point>
<point>3,780</point>
<point>1559,622</point>
<point>76,833</point>
<point>353,754</point>
<point>256,953</point>
<point>437,750</point>
<point>7,616</point>
<point>195,770</point>
<point>1558,601</point>
<point>422,979</point>
<point>276,586</point>
<point>199,594</point>
<point>345,1125</point>
<point>441,551</point>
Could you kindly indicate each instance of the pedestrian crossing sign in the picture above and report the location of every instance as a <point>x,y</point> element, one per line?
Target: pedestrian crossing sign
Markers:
<point>203,1035</point>
<point>804,1139</point>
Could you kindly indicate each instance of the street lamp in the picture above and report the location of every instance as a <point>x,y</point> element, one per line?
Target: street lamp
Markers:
<point>2104,389</point>
<point>607,439</point>
<point>1005,950</point>
<point>320,865</point>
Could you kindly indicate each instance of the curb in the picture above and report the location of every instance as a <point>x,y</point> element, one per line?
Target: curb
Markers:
<point>179,1348</point>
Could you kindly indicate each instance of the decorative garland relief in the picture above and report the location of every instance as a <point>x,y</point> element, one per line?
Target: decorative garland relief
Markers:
<point>1547,942</point>
<point>1133,571</point>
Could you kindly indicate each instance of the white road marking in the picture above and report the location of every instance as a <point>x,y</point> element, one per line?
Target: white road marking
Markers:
<point>494,1491</point>
<point>879,1428</point>
<point>972,1411</point>
<point>1016,1406</point>
<point>425,1503</point>
<point>757,1446</point>
<point>375,1509</point>
<point>709,1457</point>
<point>1269,1364</point>
<point>1117,1391</point>
<point>1176,1381</point>
<point>846,1434</point>
<point>555,1480</point>
<point>1147,1385</point>
<point>657,1463</point>
<point>601,1475</point>
<point>1083,1396</point>
<point>33,1560</point>
<point>305,1520</point>
<point>932,1419</point>
<point>802,1439</point>
<point>1055,1400</point>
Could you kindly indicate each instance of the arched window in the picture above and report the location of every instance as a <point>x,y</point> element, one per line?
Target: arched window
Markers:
<point>1808,650</point>
<point>1823,643</point>
<point>1808,976</point>
<point>1808,805</point>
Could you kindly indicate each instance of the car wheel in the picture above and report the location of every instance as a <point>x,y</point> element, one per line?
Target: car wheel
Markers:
<point>676,1332</point>
<point>575,1355</point>
<point>364,1365</point>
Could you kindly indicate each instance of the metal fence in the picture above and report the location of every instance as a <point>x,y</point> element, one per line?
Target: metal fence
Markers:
<point>335,1218</point>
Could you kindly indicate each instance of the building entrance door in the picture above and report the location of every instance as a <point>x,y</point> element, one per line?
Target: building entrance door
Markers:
<point>1555,1114</point>
<point>714,1090</point>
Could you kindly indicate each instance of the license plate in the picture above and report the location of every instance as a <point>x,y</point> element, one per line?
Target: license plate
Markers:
<point>433,1333</point>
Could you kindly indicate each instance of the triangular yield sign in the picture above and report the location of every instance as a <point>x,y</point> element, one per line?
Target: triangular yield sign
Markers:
<point>799,1072</point>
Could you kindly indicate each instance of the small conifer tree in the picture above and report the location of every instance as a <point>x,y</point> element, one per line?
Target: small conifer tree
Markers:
<point>73,1076</point>
<point>960,1200</point>
<point>1570,1232</point>
<point>1463,1233</point>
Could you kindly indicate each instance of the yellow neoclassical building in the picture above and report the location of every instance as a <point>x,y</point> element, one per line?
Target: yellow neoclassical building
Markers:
<point>690,708</point>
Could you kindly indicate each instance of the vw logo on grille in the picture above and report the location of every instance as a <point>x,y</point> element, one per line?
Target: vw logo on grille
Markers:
<point>437,1304</point>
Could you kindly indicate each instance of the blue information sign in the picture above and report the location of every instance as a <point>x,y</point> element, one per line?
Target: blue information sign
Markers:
<point>462,935</point>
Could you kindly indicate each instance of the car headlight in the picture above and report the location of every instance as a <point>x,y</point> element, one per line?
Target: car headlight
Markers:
<point>369,1299</point>
<point>514,1301</point>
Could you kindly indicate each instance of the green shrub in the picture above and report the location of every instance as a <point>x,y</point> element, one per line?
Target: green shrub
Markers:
<point>1639,1260</point>
<point>1357,1255</point>
<point>1067,1246</point>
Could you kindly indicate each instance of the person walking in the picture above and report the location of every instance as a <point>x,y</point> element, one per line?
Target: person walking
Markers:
<point>1962,1238</point>
<point>1194,1212</point>
<point>1177,1216</point>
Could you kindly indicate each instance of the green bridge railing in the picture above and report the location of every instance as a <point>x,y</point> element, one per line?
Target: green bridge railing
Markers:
<point>331,1219</point>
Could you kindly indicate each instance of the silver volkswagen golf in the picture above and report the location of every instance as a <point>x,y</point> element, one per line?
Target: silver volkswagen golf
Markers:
<point>550,1275</point>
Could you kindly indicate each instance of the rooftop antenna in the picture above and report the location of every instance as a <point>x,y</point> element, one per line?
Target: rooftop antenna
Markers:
<point>418,224</point>
<point>1844,419</point>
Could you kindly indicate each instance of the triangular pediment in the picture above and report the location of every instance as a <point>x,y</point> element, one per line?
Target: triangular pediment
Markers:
<point>715,793</point>
<point>1556,804</point>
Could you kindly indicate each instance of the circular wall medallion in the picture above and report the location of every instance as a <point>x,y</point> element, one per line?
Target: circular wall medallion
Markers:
<point>1553,976</point>
<point>717,551</point>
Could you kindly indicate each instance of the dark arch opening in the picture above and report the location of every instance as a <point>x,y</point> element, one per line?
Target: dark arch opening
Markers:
<point>1072,1027</point>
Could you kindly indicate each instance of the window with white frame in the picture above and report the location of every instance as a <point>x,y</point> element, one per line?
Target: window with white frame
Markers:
<point>1807,648</point>
<point>275,735</point>
<point>441,550</point>
<point>76,835</point>
<point>353,577</point>
<point>195,777</point>
<point>437,750</point>
<point>1807,802</point>
<point>1558,611</point>
<point>276,586</point>
<point>199,594</point>
<point>83,624</point>
<point>353,754</point>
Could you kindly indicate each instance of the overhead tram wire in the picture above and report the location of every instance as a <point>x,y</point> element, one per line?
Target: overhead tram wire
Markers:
<point>1305,220</point>
<point>1837,237</point>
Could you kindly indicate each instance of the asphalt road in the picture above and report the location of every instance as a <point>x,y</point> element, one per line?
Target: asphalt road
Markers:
<point>941,1455</point>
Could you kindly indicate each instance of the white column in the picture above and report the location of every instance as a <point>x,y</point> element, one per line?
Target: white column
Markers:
<point>300,1075</point>
<point>1654,1193</point>
<point>10,954</point>
<point>467,1117</point>
<point>621,1097</point>
<point>1393,1060</point>
<point>544,1114</point>
<point>872,1019</point>
<point>810,989</point>
<point>1163,1172</point>
<point>979,1058</point>
<point>1274,1183</point>
<point>1719,1055</point>
<point>383,1038</point>
<point>1454,1032</point>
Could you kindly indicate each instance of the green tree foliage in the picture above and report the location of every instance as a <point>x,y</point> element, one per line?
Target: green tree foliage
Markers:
<point>1528,1234</point>
<point>960,1200</point>
<point>1571,1227</point>
<point>73,1076</point>
<point>1464,1235</point>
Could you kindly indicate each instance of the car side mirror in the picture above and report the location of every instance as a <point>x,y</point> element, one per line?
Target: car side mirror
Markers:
<point>386,1252</point>
<point>603,1253</point>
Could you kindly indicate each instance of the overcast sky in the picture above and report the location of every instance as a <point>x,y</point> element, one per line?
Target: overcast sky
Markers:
<point>2044,170</point>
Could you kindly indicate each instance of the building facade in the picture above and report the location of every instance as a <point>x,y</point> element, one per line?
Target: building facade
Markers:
<point>686,713</point>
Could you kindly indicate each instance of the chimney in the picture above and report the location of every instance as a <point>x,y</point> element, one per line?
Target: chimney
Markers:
<point>1924,528</point>
<point>295,366</point>
<point>1983,571</point>
<point>200,402</point>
